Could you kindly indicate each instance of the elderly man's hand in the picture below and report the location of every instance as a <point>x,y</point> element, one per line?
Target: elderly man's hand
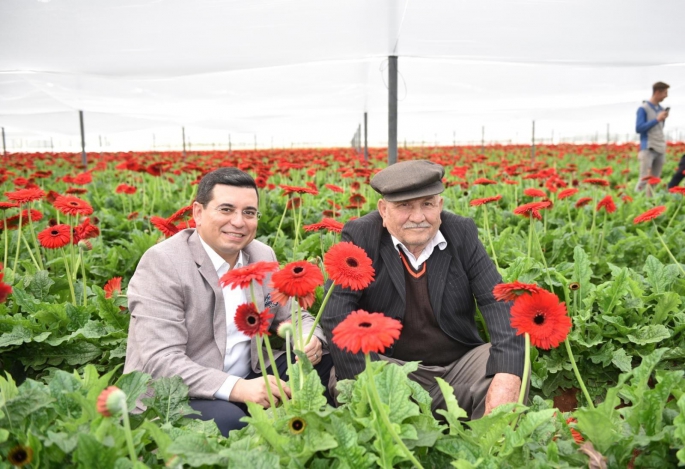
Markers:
<point>254,390</point>
<point>504,388</point>
<point>313,350</point>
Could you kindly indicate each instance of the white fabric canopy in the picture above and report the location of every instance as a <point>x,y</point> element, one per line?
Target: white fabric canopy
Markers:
<point>306,71</point>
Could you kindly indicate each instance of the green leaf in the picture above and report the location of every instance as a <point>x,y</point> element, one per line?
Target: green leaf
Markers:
<point>596,427</point>
<point>310,397</point>
<point>255,459</point>
<point>621,360</point>
<point>348,452</point>
<point>17,336</point>
<point>679,432</point>
<point>196,450</point>
<point>613,291</point>
<point>91,453</point>
<point>488,430</point>
<point>76,353</point>
<point>170,400</point>
<point>134,384</point>
<point>40,285</point>
<point>394,391</point>
<point>25,301</point>
<point>31,397</point>
<point>453,412</point>
<point>667,305</point>
<point>650,334</point>
<point>659,277</point>
<point>64,441</point>
<point>581,271</point>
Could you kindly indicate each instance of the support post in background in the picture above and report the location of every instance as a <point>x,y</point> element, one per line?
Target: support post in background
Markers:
<point>100,138</point>
<point>608,138</point>
<point>154,142</point>
<point>532,147</point>
<point>229,144</point>
<point>482,140</point>
<point>183,132</point>
<point>366,136</point>
<point>255,141</point>
<point>4,146</point>
<point>52,146</point>
<point>392,110</point>
<point>84,159</point>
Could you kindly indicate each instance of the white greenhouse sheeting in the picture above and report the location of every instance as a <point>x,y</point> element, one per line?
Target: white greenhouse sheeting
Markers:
<point>287,71</point>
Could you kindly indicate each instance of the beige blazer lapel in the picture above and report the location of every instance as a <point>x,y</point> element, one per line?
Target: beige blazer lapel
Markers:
<point>206,269</point>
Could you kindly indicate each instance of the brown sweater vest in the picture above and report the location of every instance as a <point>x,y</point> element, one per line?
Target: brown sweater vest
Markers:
<point>422,338</point>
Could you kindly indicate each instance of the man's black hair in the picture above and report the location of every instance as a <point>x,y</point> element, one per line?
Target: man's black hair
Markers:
<point>227,176</point>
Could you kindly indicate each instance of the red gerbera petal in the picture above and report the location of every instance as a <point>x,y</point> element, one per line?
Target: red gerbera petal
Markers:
<point>25,195</point>
<point>112,285</point>
<point>6,205</point>
<point>348,266</point>
<point>485,200</point>
<point>583,201</point>
<point>541,316</point>
<point>54,237</point>
<point>164,225</point>
<point>677,190</point>
<point>325,224</point>
<point>366,332</point>
<point>297,279</point>
<point>649,214</point>
<point>532,192</point>
<point>180,214</point>
<point>251,322</point>
<point>607,203</point>
<point>70,205</point>
<point>243,276</point>
<point>484,181</point>
<point>334,188</point>
<point>511,291</point>
<point>567,193</point>
<point>596,181</point>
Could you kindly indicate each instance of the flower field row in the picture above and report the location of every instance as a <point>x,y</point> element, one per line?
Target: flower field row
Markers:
<point>569,223</point>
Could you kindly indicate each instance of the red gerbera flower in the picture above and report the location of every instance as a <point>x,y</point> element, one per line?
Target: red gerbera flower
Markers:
<point>511,291</point>
<point>357,199</point>
<point>649,214</point>
<point>112,285</point>
<point>164,225</point>
<point>567,193</point>
<point>111,401</point>
<point>677,190</point>
<point>325,224</point>
<point>532,192</point>
<point>608,204</point>
<point>305,301</point>
<point>596,181</point>
<point>484,181</point>
<point>287,190</point>
<point>583,201</point>
<point>577,437</point>
<point>334,188</point>
<point>25,195</point>
<point>366,332</point>
<point>125,189</point>
<point>180,214</point>
<point>251,322</point>
<point>543,317</point>
<point>485,200</point>
<point>5,289</point>
<point>243,276</point>
<point>54,237</point>
<point>70,205</point>
<point>627,199</point>
<point>6,205</point>
<point>76,190</point>
<point>297,279</point>
<point>652,180</point>
<point>86,231</point>
<point>349,266</point>
<point>531,209</point>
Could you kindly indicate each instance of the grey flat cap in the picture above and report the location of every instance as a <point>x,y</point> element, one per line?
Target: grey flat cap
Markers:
<point>409,180</point>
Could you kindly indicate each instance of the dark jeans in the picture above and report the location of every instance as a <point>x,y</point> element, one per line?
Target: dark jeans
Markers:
<point>678,176</point>
<point>227,415</point>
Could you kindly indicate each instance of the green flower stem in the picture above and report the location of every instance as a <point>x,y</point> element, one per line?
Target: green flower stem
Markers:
<point>577,373</point>
<point>71,282</point>
<point>668,250</point>
<point>674,214</point>
<point>127,431</point>
<point>280,223</point>
<point>35,240</point>
<point>487,230</point>
<point>83,274</point>
<point>320,313</point>
<point>300,337</point>
<point>28,248</point>
<point>526,371</point>
<point>5,230</point>
<point>530,237</point>
<point>262,367</point>
<point>376,402</point>
<point>594,215</point>
<point>570,223</point>
<point>601,235</point>
<point>287,357</point>
<point>274,368</point>
<point>16,257</point>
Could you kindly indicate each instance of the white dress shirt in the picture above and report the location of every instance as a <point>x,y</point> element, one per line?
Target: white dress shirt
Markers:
<point>237,358</point>
<point>438,240</point>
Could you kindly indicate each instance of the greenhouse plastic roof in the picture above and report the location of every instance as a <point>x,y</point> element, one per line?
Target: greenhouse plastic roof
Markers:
<point>308,70</point>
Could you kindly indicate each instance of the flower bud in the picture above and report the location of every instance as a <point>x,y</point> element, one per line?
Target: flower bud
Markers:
<point>85,245</point>
<point>285,327</point>
<point>111,401</point>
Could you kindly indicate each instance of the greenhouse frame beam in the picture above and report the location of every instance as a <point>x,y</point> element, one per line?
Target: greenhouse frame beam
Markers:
<point>392,110</point>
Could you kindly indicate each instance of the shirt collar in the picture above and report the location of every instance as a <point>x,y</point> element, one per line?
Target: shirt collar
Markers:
<point>438,240</point>
<point>218,261</point>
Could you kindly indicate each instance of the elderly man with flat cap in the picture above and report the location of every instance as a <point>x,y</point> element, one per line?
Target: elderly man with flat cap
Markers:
<point>432,272</point>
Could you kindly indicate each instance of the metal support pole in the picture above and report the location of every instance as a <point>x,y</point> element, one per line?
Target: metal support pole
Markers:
<point>532,148</point>
<point>154,142</point>
<point>4,147</point>
<point>100,138</point>
<point>52,147</point>
<point>392,110</point>
<point>229,144</point>
<point>255,141</point>
<point>84,159</point>
<point>607,147</point>
<point>366,136</point>
<point>183,132</point>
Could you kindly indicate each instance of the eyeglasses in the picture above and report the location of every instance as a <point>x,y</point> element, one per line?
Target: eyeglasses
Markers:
<point>248,213</point>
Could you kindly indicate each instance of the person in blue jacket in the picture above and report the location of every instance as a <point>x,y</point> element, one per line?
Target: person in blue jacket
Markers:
<point>650,125</point>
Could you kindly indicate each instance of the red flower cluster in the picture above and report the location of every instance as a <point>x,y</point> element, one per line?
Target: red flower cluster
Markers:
<point>366,332</point>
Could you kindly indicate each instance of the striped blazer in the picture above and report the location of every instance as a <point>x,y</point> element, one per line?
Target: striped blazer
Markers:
<point>459,277</point>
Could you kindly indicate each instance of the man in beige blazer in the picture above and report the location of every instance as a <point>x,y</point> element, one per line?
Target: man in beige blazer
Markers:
<point>182,320</point>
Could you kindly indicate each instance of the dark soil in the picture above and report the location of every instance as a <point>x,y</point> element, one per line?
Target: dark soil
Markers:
<point>567,400</point>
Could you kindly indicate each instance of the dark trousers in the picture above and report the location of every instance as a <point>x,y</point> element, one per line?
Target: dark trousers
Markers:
<point>227,415</point>
<point>678,176</point>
